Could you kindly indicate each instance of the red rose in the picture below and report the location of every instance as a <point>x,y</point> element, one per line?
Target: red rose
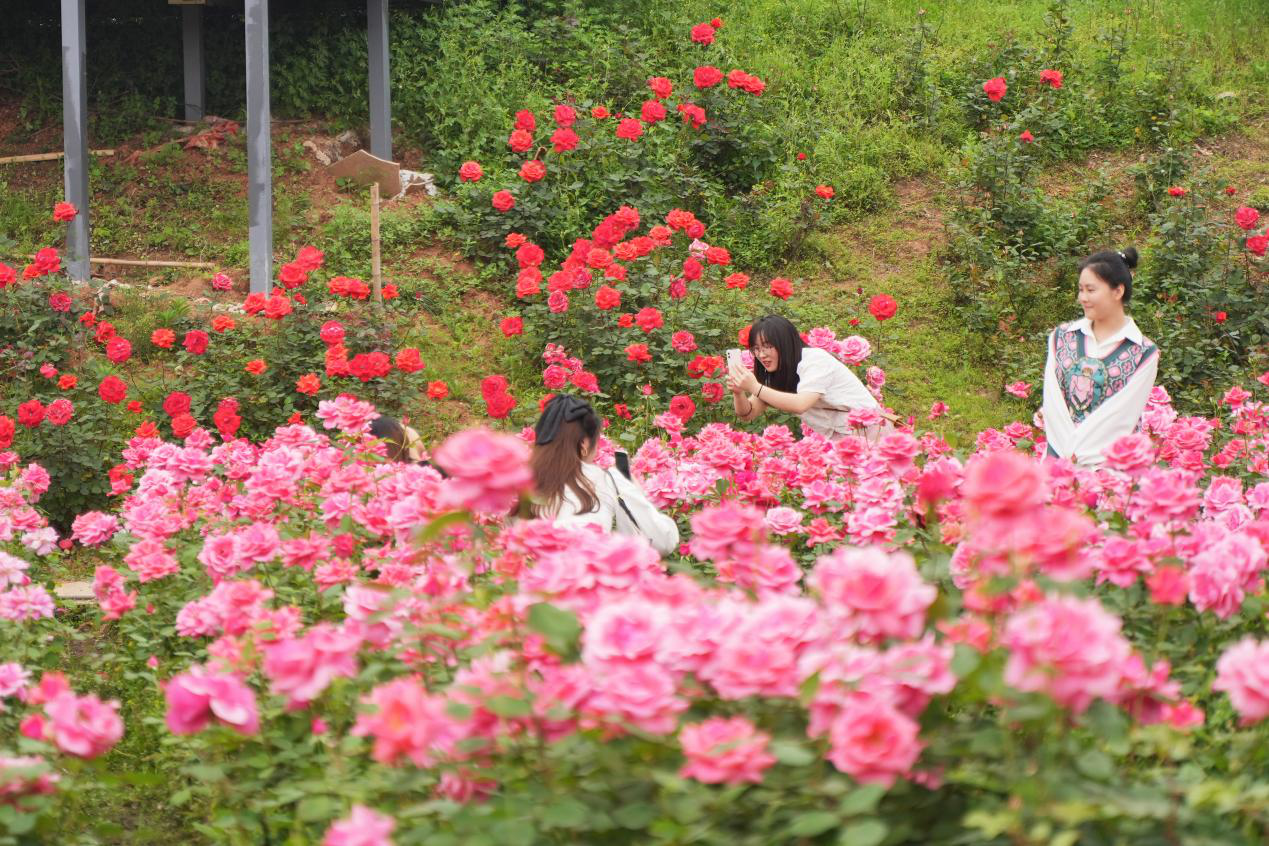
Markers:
<point>883,307</point>
<point>226,418</point>
<point>277,308</point>
<point>652,111</point>
<point>113,390</point>
<point>1177,191</point>
<point>532,171</point>
<point>801,157</point>
<point>626,320</point>
<point>607,298</point>
<point>718,255</point>
<point>743,337</point>
<point>781,287</point>
<point>514,240</point>
<point>648,319</point>
<point>630,128</point>
<point>147,430</point>
<point>712,391</point>
<point>470,172</point>
<point>308,384</point>
<point>256,366</point>
<point>530,255</point>
<point>706,76</point>
<point>390,292</point>
<point>59,301</point>
<point>437,390</point>
<point>692,269</point>
<point>163,338</point>
<point>372,365</point>
<point>30,413</point>
<point>995,89</point>
<point>565,115</point>
<point>500,406</point>
<point>1220,316</point>
<point>195,341</point>
<point>7,430</point>
<point>1052,78</point>
<point>183,424</point>
<point>661,86</point>
<point>622,411</point>
<point>703,34</point>
<point>408,360</point>
<point>134,407</point>
<point>1246,218</point>
<point>1230,190</point>
<point>309,258</point>
<point>64,212</point>
<point>682,407</point>
<point>520,141</point>
<point>104,332</point>
<point>503,201</point>
<point>67,381</point>
<point>739,281</point>
<point>564,139</point>
<point>511,326</point>
<point>526,120</point>
<point>1026,137</point>
<point>825,192</point>
<point>1257,244</point>
<point>118,350</point>
<point>638,353</point>
<point>177,402</point>
<point>599,112</point>
<point>88,319</point>
<point>60,411</point>
<point>493,385</point>
<point>291,276</point>
<point>47,261</point>
<point>8,276</point>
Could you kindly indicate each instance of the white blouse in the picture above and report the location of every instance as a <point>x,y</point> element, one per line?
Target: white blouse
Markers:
<point>1118,414</point>
<point>660,529</point>
<point>840,392</point>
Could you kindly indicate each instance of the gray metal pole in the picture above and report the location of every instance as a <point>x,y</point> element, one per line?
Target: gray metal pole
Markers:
<point>380,79</point>
<point>75,135</point>
<point>195,63</point>
<point>259,153</point>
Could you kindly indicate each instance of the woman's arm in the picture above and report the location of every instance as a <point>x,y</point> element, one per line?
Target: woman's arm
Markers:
<point>741,380</point>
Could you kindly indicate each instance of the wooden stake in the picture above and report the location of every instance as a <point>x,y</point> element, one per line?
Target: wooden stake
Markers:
<point>376,270</point>
<point>156,263</point>
<point>47,157</point>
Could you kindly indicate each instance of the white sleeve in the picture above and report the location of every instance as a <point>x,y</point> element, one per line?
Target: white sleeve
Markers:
<point>1059,429</point>
<point>857,394</point>
<point>1117,416</point>
<point>833,381</point>
<point>569,515</point>
<point>660,529</point>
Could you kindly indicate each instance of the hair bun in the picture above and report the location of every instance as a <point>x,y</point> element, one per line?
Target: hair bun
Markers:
<point>1130,256</point>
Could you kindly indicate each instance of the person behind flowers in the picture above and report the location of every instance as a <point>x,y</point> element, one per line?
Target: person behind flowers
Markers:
<point>402,442</point>
<point>571,489</point>
<point>789,376</point>
<point>1100,368</point>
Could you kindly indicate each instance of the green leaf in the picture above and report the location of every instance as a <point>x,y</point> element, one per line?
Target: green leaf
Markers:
<point>565,813</point>
<point>433,530</point>
<point>1095,765</point>
<point>813,823</point>
<point>791,753</point>
<point>508,706</point>
<point>316,808</point>
<point>636,816</point>
<point>205,772</point>
<point>559,627</point>
<point>862,800</point>
<point>863,833</point>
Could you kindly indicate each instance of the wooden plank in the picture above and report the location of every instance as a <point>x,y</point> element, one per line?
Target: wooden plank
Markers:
<point>152,263</point>
<point>48,157</point>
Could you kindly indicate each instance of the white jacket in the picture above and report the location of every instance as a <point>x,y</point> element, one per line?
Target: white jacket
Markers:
<point>660,529</point>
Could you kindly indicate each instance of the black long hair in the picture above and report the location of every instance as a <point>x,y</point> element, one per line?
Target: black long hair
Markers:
<point>568,427</point>
<point>1114,267</point>
<point>778,332</point>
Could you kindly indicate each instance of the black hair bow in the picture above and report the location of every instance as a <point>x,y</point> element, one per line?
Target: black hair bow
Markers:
<point>563,408</point>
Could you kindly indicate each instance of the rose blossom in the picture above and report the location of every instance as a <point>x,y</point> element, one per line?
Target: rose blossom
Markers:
<point>724,751</point>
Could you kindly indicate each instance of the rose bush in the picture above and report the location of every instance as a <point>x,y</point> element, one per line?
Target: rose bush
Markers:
<point>883,641</point>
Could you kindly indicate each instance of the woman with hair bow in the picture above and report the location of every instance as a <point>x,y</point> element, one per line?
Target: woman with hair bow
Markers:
<point>1100,369</point>
<point>571,489</point>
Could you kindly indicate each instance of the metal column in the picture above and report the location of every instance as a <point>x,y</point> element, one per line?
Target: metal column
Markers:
<point>192,42</point>
<point>380,79</point>
<point>75,135</point>
<point>259,153</point>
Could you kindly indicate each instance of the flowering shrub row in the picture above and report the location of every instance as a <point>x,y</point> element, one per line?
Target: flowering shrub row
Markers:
<point>330,635</point>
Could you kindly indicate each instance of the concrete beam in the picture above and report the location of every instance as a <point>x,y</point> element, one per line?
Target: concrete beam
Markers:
<point>75,135</point>
<point>195,62</point>
<point>259,147</point>
<point>380,79</point>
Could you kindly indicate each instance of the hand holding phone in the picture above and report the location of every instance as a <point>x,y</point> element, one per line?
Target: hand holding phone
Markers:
<point>735,357</point>
<point>622,460</point>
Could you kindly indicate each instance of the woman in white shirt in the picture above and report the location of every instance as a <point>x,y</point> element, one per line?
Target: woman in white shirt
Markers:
<point>1100,369</point>
<point>789,376</point>
<point>571,489</point>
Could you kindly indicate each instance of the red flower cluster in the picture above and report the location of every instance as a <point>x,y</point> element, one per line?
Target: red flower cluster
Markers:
<point>226,418</point>
<point>883,307</point>
<point>498,400</point>
<point>347,286</point>
<point>64,212</point>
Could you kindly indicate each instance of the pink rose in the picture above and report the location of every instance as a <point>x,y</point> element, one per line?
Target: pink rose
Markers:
<point>783,520</point>
<point>362,827</point>
<point>725,532</point>
<point>1243,673</point>
<point>488,471</point>
<point>724,751</point>
<point>1132,454</point>
<point>83,726</point>
<point>872,742</point>
<point>877,595</point>
<point>94,527</point>
<point>1003,485</point>
<point>197,696</point>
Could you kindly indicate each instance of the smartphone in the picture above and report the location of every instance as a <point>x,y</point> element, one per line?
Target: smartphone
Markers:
<point>735,357</point>
<point>622,460</point>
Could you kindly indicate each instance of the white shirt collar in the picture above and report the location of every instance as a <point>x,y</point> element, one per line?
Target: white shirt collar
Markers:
<point>1129,330</point>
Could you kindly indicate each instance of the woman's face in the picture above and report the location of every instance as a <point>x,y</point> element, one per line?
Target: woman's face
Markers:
<point>1099,300</point>
<point>767,355</point>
